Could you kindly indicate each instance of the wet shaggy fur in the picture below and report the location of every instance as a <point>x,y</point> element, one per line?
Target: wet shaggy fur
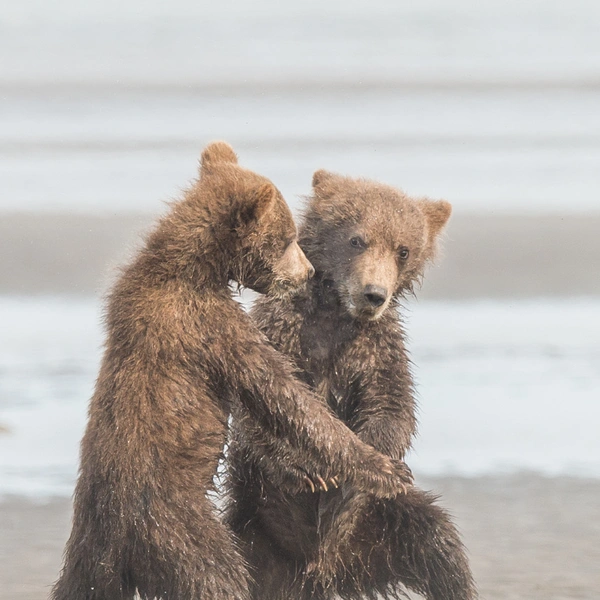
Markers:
<point>369,244</point>
<point>181,355</point>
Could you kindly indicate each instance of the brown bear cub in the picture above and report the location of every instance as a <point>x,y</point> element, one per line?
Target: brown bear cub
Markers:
<point>180,355</point>
<point>369,244</point>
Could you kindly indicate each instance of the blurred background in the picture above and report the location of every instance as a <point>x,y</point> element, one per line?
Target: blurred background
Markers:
<point>492,105</point>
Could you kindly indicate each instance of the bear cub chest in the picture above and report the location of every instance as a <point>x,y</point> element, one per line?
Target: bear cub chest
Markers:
<point>324,343</point>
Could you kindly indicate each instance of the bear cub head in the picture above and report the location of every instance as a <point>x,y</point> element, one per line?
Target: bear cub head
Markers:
<point>250,224</point>
<point>370,241</point>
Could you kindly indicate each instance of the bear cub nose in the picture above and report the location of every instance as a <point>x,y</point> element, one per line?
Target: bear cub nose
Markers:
<point>375,295</point>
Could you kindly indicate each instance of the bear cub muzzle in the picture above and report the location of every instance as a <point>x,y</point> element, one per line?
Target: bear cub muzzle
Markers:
<point>292,271</point>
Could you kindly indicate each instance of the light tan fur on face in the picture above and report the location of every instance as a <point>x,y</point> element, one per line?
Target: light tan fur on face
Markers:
<point>375,270</point>
<point>387,221</point>
<point>293,269</point>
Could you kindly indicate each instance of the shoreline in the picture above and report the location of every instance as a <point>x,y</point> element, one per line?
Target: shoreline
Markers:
<point>483,256</point>
<point>529,537</point>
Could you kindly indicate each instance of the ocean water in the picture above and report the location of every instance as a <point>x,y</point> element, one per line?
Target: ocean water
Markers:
<point>502,387</point>
<point>104,106</point>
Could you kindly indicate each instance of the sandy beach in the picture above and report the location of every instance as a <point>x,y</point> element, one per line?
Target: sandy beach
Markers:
<point>484,256</point>
<point>529,537</point>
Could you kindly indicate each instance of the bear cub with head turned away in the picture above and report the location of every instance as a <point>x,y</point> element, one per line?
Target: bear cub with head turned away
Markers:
<point>181,354</point>
<point>369,244</point>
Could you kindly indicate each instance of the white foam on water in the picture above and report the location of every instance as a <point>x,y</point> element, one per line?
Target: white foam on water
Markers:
<point>503,386</point>
<point>507,386</point>
<point>49,355</point>
<point>111,153</point>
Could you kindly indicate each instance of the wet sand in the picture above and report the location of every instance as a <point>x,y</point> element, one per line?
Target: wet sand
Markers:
<point>529,537</point>
<point>502,256</point>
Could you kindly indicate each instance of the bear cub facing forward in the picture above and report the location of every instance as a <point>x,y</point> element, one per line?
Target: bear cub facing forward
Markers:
<point>369,244</point>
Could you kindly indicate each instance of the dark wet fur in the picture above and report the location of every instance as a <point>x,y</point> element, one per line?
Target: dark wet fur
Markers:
<point>180,356</point>
<point>346,541</point>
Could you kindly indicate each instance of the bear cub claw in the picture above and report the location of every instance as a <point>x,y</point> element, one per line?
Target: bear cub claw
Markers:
<point>320,483</point>
<point>398,473</point>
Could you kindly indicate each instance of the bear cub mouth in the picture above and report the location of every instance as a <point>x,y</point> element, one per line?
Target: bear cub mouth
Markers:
<point>366,304</point>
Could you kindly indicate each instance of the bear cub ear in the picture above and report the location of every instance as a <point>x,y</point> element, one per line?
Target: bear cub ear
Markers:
<point>437,213</point>
<point>217,152</point>
<point>257,204</point>
<point>324,182</point>
<point>320,177</point>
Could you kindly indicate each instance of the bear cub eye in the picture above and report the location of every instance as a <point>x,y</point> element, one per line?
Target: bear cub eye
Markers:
<point>357,242</point>
<point>403,252</point>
